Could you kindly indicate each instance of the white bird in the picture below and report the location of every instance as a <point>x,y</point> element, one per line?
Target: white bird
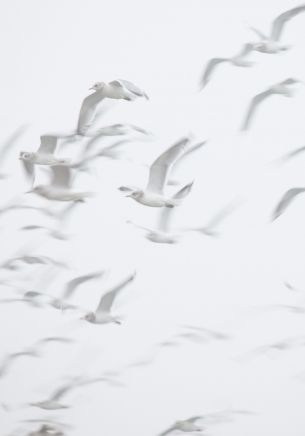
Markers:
<point>240,60</point>
<point>73,284</point>
<point>153,195</point>
<point>284,88</point>
<point>53,402</point>
<point>7,361</point>
<point>163,234</point>
<point>43,156</point>
<point>271,44</point>
<point>102,314</point>
<point>285,201</point>
<point>60,187</point>
<point>119,89</point>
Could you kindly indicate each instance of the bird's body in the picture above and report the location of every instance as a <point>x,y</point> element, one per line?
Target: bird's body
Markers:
<point>119,90</point>
<point>187,426</point>
<point>49,405</point>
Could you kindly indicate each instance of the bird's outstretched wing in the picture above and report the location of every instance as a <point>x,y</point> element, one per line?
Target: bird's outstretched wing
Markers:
<point>61,176</point>
<point>134,89</point>
<point>211,65</point>
<point>108,298</point>
<point>72,285</point>
<point>88,111</point>
<point>60,392</point>
<point>253,106</point>
<point>285,201</point>
<point>280,21</point>
<point>290,155</point>
<point>47,144</point>
<point>161,166</point>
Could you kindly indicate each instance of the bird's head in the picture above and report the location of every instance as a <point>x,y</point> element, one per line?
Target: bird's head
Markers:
<point>97,86</point>
<point>25,155</point>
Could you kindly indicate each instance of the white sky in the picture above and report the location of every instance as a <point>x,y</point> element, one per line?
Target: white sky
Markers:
<point>51,53</point>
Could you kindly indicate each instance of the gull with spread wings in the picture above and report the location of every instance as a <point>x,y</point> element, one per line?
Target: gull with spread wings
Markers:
<point>153,195</point>
<point>103,314</point>
<point>284,88</point>
<point>271,44</point>
<point>240,60</point>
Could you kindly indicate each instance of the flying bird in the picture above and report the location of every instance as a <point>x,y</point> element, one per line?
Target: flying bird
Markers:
<point>103,314</point>
<point>153,195</point>
<point>285,201</point>
<point>240,60</point>
<point>43,156</point>
<point>188,426</point>
<point>60,187</point>
<point>283,88</point>
<point>271,44</point>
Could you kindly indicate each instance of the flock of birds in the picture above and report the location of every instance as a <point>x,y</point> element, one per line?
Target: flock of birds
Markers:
<point>154,194</point>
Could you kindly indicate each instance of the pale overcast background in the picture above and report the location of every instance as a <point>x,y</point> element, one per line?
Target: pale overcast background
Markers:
<point>52,51</point>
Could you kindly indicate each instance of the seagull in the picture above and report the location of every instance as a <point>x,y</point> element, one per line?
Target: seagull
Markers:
<point>43,156</point>
<point>162,234</point>
<point>285,201</point>
<point>271,44</point>
<point>188,426</point>
<point>102,314</point>
<point>53,402</point>
<point>119,89</point>
<point>282,88</point>
<point>59,189</point>
<point>31,260</point>
<point>153,195</point>
<point>240,60</point>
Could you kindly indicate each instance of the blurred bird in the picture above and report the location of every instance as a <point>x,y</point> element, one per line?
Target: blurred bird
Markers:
<point>283,88</point>
<point>43,156</point>
<point>102,314</point>
<point>10,358</point>
<point>240,60</point>
<point>188,426</point>
<point>271,44</point>
<point>59,189</point>
<point>153,195</point>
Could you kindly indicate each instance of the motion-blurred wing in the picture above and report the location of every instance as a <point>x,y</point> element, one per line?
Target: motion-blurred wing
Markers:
<point>73,284</point>
<point>280,21</point>
<point>161,166</point>
<point>211,65</point>
<point>47,144</point>
<point>286,200</point>
<point>253,106</point>
<point>61,176</point>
